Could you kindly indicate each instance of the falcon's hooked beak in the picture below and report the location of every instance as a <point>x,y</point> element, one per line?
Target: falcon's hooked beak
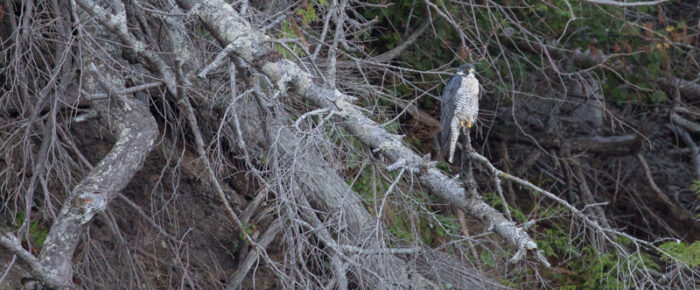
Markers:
<point>465,123</point>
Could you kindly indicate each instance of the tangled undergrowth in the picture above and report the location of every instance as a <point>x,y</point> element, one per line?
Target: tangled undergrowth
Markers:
<point>590,112</point>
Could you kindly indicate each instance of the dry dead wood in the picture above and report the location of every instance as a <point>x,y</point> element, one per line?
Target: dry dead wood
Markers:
<point>333,190</point>
<point>328,193</point>
<point>244,266</point>
<point>255,48</point>
<point>135,129</point>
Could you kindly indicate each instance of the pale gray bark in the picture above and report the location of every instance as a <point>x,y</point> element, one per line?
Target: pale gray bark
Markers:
<point>256,48</point>
<point>135,130</point>
<point>43,274</point>
<point>332,195</point>
<point>244,266</point>
<point>689,89</point>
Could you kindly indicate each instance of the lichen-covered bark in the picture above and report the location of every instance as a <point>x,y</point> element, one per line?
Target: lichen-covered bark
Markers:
<point>135,128</point>
<point>254,47</point>
<point>31,263</point>
<point>136,131</point>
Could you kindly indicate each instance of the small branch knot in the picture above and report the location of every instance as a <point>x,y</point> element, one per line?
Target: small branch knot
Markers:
<point>91,204</point>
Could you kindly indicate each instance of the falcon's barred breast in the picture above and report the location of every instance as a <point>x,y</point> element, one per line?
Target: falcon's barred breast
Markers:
<point>459,108</point>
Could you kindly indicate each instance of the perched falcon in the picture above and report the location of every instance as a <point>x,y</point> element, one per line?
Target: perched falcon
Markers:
<point>460,106</point>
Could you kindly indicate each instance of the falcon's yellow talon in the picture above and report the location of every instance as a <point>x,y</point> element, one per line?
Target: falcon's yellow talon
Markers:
<point>469,125</point>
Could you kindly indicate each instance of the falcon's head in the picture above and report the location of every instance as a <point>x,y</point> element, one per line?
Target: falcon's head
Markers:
<point>466,69</point>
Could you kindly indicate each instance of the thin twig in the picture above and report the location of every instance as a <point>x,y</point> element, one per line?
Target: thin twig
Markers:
<point>127,91</point>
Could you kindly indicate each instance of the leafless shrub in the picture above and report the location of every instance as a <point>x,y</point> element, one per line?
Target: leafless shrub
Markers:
<point>252,185</point>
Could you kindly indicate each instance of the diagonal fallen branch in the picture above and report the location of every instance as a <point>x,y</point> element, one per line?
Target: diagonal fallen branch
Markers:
<point>236,279</point>
<point>329,193</point>
<point>157,65</point>
<point>136,131</point>
<point>501,174</point>
<point>627,4</point>
<point>255,48</point>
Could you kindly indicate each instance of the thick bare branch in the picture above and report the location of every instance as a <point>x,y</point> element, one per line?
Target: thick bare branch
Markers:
<point>609,145</point>
<point>690,89</point>
<point>694,151</point>
<point>328,193</point>
<point>38,271</point>
<point>136,131</point>
<point>222,21</point>
<point>685,123</point>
